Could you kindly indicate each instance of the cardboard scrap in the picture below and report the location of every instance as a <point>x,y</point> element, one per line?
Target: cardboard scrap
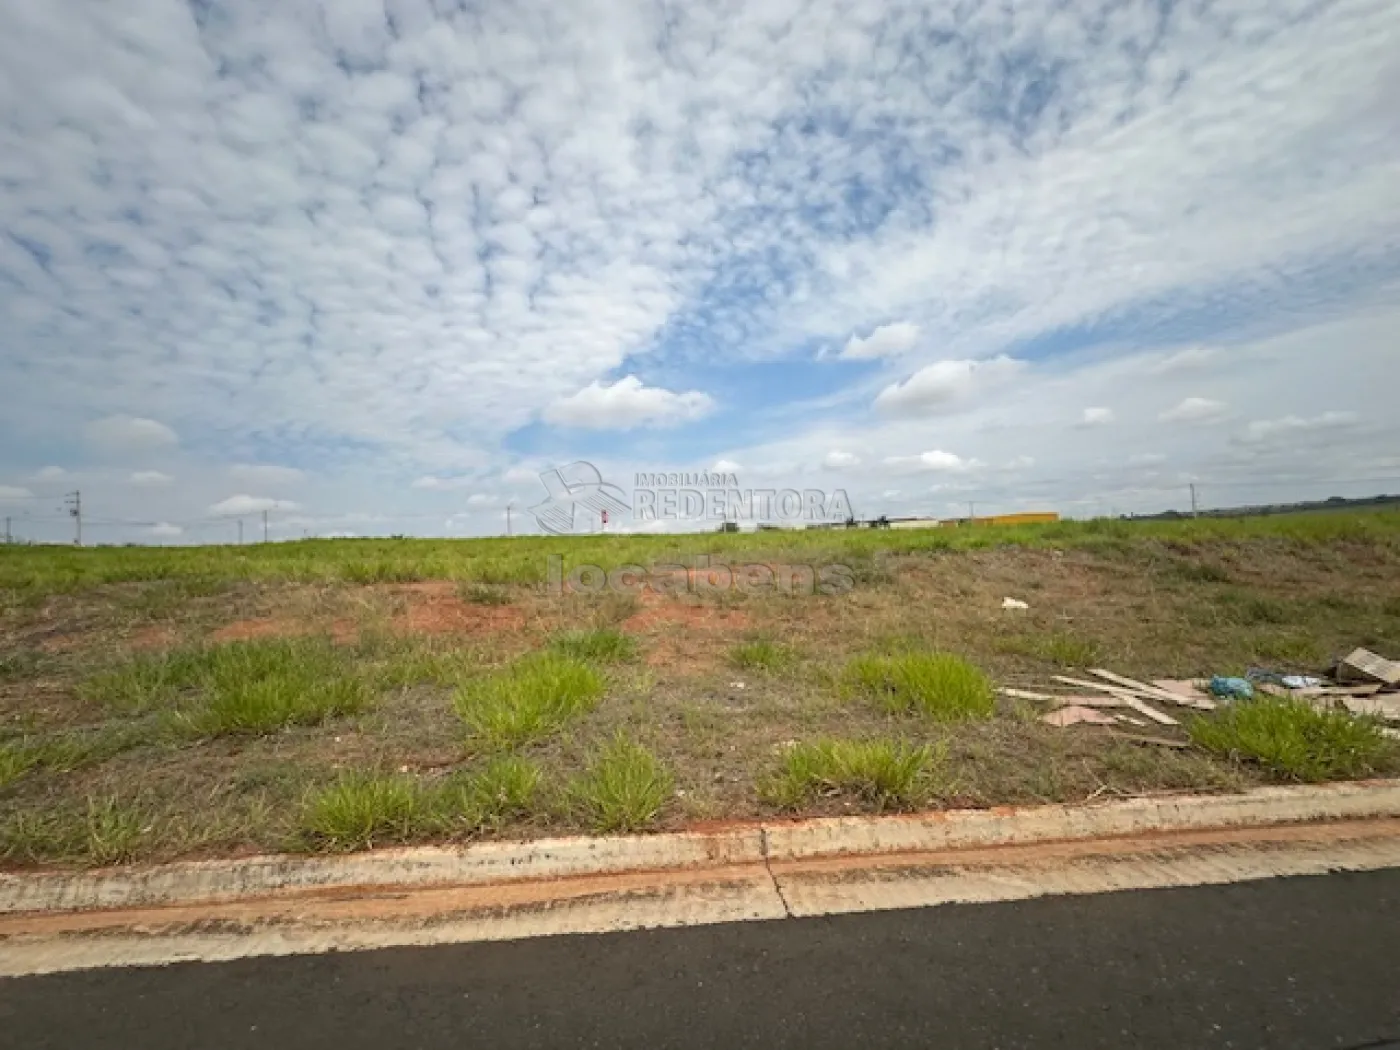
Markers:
<point>1362,665</point>
<point>1068,716</point>
<point>1387,707</point>
<point>1126,698</point>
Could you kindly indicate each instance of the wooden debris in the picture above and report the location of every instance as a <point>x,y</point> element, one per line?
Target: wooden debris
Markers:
<point>1068,716</point>
<point>1150,692</point>
<point>1024,694</point>
<point>1126,698</point>
<point>1387,707</point>
<point>1362,665</point>
<point>1130,720</point>
<point>1143,708</point>
<point>1188,692</point>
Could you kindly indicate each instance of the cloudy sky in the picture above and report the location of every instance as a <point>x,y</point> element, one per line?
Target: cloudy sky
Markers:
<point>372,265</point>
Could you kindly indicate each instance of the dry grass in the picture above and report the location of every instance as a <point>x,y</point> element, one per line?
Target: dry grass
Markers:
<point>106,664</point>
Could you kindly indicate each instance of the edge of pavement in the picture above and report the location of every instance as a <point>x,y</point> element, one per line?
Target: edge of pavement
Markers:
<point>554,861</point>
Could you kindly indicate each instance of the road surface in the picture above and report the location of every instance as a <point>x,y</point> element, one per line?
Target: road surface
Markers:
<point>1309,962</point>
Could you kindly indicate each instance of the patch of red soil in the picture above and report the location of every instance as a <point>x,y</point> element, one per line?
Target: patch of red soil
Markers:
<point>341,631</point>
<point>448,614</point>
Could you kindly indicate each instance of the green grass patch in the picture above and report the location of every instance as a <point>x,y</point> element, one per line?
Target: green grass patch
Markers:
<point>105,830</point>
<point>1294,741</point>
<point>760,654</point>
<point>941,686</point>
<point>362,810</point>
<point>506,788</point>
<point>623,789</point>
<point>604,645</point>
<point>528,700</point>
<point>887,773</point>
<point>16,759</point>
<point>254,686</point>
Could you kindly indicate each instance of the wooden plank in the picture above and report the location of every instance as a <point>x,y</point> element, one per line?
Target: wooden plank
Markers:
<point>1143,708</point>
<point>1082,683</point>
<point>1189,692</point>
<point>1148,691</point>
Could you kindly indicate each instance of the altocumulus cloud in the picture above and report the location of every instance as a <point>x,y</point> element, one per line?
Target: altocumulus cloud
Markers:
<point>626,404</point>
<point>381,240</point>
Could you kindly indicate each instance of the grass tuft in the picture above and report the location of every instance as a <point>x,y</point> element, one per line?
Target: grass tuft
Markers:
<point>505,788</point>
<point>1294,741</point>
<point>254,686</point>
<point>939,685</point>
<point>623,789</point>
<point>528,700</point>
<point>888,773</point>
<point>605,645</point>
<point>760,654</point>
<point>361,810</point>
<point>16,759</point>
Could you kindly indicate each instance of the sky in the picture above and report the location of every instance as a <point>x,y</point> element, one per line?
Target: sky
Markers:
<point>373,266</point>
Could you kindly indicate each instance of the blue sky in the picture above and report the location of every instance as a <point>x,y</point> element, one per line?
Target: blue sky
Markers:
<point>371,266</point>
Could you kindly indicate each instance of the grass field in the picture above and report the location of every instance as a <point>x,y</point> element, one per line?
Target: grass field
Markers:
<point>184,702</point>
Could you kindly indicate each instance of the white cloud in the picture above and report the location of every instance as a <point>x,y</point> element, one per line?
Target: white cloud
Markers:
<point>50,474</point>
<point>886,341</point>
<point>150,479</point>
<point>626,404</point>
<point>125,434</point>
<point>1020,463</point>
<point>838,460</point>
<point>1261,430</point>
<point>726,466</point>
<point>936,460</point>
<point>481,499</point>
<point>1096,417</point>
<point>14,492</point>
<point>1194,410</point>
<point>521,476</point>
<point>417,230</point>
<point>238,505</point>
<point>945,382</point>
<point>165,530</point>
<point>266,474</point>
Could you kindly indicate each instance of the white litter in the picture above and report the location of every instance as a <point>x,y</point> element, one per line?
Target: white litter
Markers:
<point>1013,603</point>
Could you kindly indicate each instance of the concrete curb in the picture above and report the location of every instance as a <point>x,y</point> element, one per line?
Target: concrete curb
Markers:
<point>498,863</point>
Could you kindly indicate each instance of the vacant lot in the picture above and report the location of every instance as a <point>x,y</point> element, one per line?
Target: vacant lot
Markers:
<point>337,694</point>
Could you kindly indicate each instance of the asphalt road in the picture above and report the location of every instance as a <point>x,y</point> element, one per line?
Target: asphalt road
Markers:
<point>1305,962</point>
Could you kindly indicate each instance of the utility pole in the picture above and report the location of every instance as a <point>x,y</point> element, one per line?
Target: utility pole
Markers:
<point>508,506</point>
<point>971,512</point>
<point>1194,512</point>
<point>7,530</point>
<point>74,503</point>
<point>240,532</point>
<point>264,526</point>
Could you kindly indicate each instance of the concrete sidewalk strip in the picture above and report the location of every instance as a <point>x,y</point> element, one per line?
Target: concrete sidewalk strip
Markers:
<point>486,862</point>
<point>213,911</point>
<point>564,858</point>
